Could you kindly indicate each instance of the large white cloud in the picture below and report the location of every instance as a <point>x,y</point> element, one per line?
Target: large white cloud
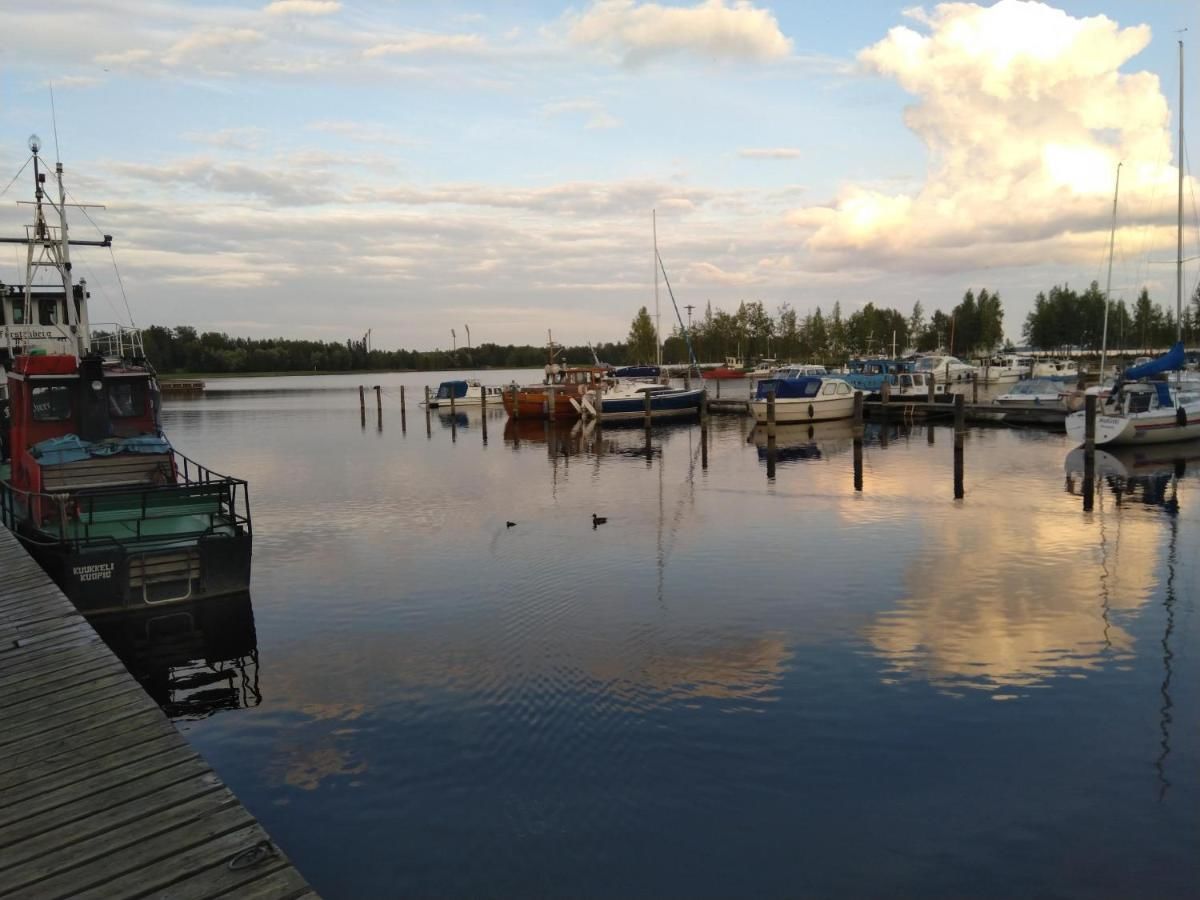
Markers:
<point>1025,113</point>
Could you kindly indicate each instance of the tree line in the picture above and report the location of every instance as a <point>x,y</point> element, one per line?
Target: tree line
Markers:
<point>1061,318</point>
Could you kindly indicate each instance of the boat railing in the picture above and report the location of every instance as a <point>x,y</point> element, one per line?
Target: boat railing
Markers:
<point>220,500</point>
<point>112,340</point>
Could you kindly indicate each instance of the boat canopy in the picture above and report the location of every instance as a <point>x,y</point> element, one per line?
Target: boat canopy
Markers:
<point>789,388</point>
<point>455,389</point>
<point>1173,359</point>
<point>637,372</point>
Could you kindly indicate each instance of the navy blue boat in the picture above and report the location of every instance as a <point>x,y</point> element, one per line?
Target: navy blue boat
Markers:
<point>629,403</point>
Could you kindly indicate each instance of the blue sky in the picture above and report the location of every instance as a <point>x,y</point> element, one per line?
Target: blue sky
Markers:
<point>317,168</point>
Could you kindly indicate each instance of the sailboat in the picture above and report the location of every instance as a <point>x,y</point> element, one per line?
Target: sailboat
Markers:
<point>1143,407</point>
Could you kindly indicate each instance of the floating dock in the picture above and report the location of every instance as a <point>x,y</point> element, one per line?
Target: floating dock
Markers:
<point>180,386</point>
<point>100,795</point>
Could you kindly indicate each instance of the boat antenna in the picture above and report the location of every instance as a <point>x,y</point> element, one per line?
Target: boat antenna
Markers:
<point>657,261</point>
<point>54,122</point>
<point>1112,238</point>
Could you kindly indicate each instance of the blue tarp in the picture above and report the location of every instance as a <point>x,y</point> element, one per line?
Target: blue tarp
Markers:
<point>1175,358</point>
<point>804,386</point>
<point>637,372</point>
<point>72,448</point>
<point>458,387</point>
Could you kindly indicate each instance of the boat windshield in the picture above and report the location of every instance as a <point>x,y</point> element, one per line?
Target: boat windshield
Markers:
<point>1030,388</point>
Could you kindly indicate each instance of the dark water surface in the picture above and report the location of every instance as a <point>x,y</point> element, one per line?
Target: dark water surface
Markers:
<point>735,687</point>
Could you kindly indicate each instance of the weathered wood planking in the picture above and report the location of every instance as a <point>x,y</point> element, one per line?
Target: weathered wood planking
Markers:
<point>100,796</point>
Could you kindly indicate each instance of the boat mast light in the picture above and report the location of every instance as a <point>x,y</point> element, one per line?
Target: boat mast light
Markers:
<point>35,143</point>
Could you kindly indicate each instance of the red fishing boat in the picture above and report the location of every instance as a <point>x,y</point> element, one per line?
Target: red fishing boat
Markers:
<point>559,396</point>
<point>733,368</point>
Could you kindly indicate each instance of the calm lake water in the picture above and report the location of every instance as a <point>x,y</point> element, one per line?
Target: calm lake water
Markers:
<point>736,687</point>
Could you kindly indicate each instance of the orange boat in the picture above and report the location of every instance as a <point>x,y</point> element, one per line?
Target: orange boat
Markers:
<point>562,384</point>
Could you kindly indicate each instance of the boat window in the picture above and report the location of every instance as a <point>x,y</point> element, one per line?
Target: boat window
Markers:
<point>1139,402</point>
<point>828,389</point>
<point>126,399</point>
<point>52,403</point>
<point>18,312</point>
<point>843,388</point>
<point>48,312</point>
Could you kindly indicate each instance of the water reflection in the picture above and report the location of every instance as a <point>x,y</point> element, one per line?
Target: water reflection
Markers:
<point>805,443</point>
<point>194,660</point>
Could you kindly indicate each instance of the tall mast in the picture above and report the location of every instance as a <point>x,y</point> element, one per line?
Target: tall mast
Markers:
<point>657,319</point>
<point>1179,237</point>
<point>1112,239</point>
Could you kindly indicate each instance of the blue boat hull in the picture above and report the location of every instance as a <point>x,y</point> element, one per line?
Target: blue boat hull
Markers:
<point>662,406</point>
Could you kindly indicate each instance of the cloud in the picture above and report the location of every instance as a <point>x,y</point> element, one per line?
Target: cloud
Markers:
<point>713,29</point>
<point>1025,113</point>
<point>428,43</point>
<point>302,7</point>
<point>769,153</point>
<point>597,116</point>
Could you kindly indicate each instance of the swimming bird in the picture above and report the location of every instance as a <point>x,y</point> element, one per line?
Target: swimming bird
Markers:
<point>598,520</point>
<point>510,524</point>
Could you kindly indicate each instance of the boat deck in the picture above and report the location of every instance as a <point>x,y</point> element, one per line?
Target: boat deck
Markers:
<point>100,796</point>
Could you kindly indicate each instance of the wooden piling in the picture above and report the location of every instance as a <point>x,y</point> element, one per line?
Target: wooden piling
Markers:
<point>403,413</point>
<point>428,424</point>
<point>974,387</point>
<point>551,404</point>
<point>646,407</point>
<point>718,380</point>
<point>771,414</point>
<point>483,412</point>
<point>516,410</point>
<point>379,407</point>
<point>1089,427</point>
<point>362,400</point>
<point>858,440</point>
<point>959,429</point>
<point>704,430</point>
<point>931,385</point>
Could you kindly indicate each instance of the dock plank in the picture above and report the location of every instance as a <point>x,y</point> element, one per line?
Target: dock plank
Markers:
<point>100,795</point>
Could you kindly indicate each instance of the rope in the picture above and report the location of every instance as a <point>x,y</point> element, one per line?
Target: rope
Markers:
<point>15,177</point>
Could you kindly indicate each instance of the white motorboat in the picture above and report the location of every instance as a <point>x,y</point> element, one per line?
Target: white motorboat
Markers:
<point>468,392</point>
<point>798,370</point>
<point>1005,368</point>
<point>945,368</point>
<point>804,399</point>
<point>915,386</point>
<point>1058,369</point>
<point>1038,392</point>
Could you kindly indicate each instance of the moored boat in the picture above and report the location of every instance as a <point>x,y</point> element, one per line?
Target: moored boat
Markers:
<point>553,398</point>
<point>465,392</point>
<point>628,403</point>
<point>804,399</point>
<point>89,483</point>
<point>734,367</point>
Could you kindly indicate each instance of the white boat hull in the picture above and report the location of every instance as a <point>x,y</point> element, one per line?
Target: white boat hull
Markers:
<point>1158,427</point>
<point>805,409</point>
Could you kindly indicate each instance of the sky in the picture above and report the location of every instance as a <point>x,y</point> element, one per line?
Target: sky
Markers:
<point>316,168</point>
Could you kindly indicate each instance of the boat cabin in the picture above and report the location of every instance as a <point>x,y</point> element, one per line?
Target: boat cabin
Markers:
<point>82,424</point>
<point>1141,397</point>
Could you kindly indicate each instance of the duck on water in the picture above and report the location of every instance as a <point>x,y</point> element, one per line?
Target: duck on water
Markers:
<point>88,481</point>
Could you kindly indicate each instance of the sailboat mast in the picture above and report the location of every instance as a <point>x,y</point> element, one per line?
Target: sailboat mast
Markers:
<point>1112,240</point>
<point>1179,237</point>
<point>657,318</point>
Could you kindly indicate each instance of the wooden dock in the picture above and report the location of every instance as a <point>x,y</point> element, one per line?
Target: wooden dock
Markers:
<point>1024,414</point>
<point>100,796</point>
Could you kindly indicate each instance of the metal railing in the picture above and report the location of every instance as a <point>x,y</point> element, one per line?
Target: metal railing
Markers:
<point>113,340</point>
<point>68,517</point>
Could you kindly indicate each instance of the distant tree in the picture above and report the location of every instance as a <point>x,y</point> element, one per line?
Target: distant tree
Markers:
<point>642,341</point>
<point>916,321</point>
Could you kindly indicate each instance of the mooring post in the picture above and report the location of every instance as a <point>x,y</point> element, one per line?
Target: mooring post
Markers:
<point>551,404</point>
<point>932,382</point>
<point>718,388</point>
<point>1089,427</point>
<point>516,410</point>
<point>379,407</point>
<point>959,429</point>
<point>771,414</point>
<point>646,407</point>
<point>403,413</point>
<point>403,407</point>
<point>974,387</point>
<point>483,412</point>
<point>428,424</point>
<point>929,434</point>
<point>857,431</point>
<point>704,429</point>
<point>1090,403</point>
<point>362,400</point>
